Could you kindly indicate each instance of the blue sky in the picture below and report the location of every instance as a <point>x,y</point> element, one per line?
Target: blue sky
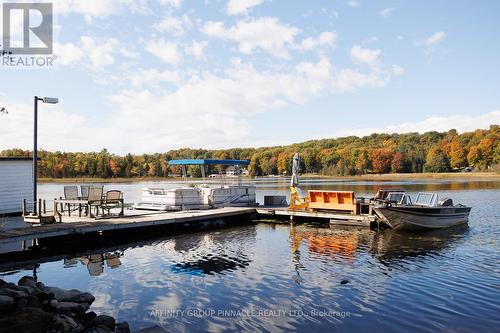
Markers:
<point>148,76</point>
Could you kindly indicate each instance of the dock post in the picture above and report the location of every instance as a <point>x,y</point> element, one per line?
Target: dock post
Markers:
<point>24,207</point>
<point>39,212</point>
<point>44,206</point>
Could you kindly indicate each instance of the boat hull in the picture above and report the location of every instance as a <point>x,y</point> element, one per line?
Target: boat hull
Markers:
<point>414,218</point>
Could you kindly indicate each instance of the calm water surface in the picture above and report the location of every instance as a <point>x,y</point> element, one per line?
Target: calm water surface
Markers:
<point>276,277</point>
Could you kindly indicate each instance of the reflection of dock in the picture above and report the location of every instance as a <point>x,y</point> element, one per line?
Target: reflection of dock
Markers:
<point>73,226</point>
<point>335,218</point>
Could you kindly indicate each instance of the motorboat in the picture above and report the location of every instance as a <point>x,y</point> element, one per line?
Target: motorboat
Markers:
<point>199,196</point>
<point>426,211</point>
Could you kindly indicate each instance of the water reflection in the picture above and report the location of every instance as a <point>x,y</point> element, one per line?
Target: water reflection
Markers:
<point>211,264</point>
<point>95,262</point>
<point>389,246</point>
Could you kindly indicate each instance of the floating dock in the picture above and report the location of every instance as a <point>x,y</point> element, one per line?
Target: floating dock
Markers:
<point>74,225</point>
<point>335,218</point>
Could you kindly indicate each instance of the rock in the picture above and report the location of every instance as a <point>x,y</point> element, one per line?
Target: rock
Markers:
<point>40,285</point>
<point>29,290</point>
<point>43,296</point>
<point>13,293</point>
<point>72,295</point>
<point>6,302</point>
<point>12,286</point>
<point>104,320</point>
<point>76,308</point>
<point>53,303</point>
<point>33,301</point>
<point>344,281</point>
<point>27,281</point>
<point>86,319</point>
<point>99,329</point>
<point>152,329</point>
<point>22,302</point>
<point>2,283</point>
<point>122,328</point>
<point>26,320</point>
<point>62,323</point>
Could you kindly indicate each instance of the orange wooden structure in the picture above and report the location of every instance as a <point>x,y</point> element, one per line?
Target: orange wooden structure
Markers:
<point>332,200</point>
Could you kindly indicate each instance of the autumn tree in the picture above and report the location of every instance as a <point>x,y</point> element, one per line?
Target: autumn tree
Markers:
<point>114,167</point>
<point>398,162</point>
<point>436,161</point>
<point>381,160</point>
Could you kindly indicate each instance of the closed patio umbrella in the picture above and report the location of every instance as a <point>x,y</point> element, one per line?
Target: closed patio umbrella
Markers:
<point>295,170</point>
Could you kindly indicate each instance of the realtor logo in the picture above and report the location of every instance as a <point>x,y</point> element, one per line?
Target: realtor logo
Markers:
<point>27,28</point>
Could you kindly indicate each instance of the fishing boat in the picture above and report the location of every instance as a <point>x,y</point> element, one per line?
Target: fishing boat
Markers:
<point>200,196</point>
<point>400,212</point>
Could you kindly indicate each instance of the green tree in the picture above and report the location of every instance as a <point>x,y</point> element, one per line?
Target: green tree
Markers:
<point>437,161</point>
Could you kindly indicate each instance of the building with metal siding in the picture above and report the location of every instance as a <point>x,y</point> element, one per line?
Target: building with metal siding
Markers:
<point>16,184</point>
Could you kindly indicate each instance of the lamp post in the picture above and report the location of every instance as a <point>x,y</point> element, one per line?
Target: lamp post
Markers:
<point>49,100</point>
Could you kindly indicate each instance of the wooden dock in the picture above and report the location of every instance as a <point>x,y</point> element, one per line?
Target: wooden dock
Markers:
<point>74,225</point>
<point>361,220</point>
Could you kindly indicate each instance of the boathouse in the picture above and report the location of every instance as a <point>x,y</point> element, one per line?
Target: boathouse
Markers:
<point>16,184</point>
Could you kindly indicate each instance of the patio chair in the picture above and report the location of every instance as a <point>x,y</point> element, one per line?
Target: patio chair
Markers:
<point>71,193</point>
<point>112,199</point>
<point>94,199</point>
<point>84,190</point>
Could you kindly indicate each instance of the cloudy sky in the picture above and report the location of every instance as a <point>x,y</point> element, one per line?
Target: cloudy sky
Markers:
<point>148,76</point>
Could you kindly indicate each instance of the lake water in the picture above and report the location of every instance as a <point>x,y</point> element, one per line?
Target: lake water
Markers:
<point>304,278</point>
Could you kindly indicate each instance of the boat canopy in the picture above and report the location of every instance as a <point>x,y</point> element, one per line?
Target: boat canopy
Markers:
<point>208,162</point>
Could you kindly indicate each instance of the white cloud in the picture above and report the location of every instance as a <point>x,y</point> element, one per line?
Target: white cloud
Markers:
<point>129,53</point>
<point>353,3</point>
<point>217,107</point>
<point>386,12</point>
<point>462,123</point>
<point>369,40</point>
<point>152,77</point>
<point>174,25</point>
<point>99,52</point>
<point>196,49</point>
<point>435,38</point>
<point>267,34</point>
<point>238,7</point>
<point>93,53</point>
<point>397,70</point>
<point>326,38</point>
<point>99,8</point>
<point>364,55</point>
<point>67,54</point>
<point>164,50</point>
<point>174,3</point>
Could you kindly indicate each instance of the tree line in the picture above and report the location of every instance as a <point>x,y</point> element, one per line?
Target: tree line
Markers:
<point>376,153</point>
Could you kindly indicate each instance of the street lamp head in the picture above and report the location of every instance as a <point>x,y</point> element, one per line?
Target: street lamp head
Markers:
<point>50,100</point>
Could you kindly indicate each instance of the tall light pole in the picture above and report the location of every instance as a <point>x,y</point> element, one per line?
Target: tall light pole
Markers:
<point>49,100</point>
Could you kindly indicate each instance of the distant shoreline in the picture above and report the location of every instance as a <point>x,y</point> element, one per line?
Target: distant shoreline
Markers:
<point>483,176</point>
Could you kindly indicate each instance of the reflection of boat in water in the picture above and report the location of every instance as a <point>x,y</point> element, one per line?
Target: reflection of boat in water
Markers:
<point>400,212</point>
<point>388,245</point>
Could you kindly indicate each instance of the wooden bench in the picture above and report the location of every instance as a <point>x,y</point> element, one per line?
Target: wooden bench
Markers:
<point>332,200</point>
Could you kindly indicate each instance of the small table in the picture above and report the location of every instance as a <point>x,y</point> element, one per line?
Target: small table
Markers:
<point>82,203</point>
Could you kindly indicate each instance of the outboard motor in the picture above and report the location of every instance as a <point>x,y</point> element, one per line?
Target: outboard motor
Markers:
<point>446,202</point>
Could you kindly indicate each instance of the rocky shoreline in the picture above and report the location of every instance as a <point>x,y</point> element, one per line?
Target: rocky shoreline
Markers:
<point>32,307</point>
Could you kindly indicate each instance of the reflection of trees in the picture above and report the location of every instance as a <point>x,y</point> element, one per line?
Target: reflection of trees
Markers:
<point>211,264</point>
<point>213,252</point>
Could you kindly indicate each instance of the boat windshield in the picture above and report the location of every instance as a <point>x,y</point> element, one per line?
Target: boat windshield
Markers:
<point>426,199</point>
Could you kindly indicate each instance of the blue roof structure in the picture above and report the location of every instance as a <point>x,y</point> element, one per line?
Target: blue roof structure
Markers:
<point>208,162</point>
